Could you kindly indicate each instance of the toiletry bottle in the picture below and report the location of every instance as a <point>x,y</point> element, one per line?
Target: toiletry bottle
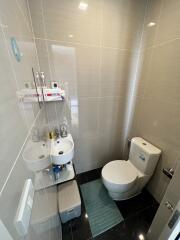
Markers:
<point>56,170</point>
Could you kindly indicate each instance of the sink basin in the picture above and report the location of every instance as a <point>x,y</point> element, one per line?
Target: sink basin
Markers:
<point>62,150</point>
<point>36,156</point>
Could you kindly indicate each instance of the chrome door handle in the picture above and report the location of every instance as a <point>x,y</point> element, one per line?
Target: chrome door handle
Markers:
<point>169,206</point>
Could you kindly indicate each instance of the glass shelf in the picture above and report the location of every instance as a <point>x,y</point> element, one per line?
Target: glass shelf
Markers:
<point>45,179</point>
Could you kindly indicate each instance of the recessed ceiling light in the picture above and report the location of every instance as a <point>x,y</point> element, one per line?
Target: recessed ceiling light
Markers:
<point>70,35</point>
<point>151,24</point>
<point>83,6</point>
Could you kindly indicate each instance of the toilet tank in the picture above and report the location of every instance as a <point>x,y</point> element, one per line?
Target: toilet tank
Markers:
<point>143,155</point>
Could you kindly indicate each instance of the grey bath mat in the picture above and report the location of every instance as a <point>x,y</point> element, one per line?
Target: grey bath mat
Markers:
<point>102,211</point>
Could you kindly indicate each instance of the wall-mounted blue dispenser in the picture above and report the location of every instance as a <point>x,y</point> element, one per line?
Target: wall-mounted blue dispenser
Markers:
<point>15,49</point>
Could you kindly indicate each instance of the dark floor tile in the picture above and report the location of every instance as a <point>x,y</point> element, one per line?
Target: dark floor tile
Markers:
<point>130,228</point>
<point>88,176</point>
<point>99,171</point>
<point>149,213</point>
<point>80,227</point>
<point>93,175</point>
<point>140,223</point>
<point>131,206</point>
<point>67,231</point>
<point>81,178</point>
<point>119,232</point>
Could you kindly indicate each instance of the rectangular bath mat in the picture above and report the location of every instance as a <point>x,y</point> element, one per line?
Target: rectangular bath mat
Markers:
<point>102,211</point>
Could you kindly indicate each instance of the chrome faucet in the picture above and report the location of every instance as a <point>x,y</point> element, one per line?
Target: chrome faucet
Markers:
<point>57,132</point>
<point>63,130</point>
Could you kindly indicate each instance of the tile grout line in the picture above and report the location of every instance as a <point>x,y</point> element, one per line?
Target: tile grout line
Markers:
<point>13,69</point>
<point>152,52</point>
<point>50,70</point>
<point>108,47</point>
<point>163,43</point>
<point>29,12</point>
<point>100,68</point>
<point>133,88</point>
<point>84,44</point>
<point>46,40</point>
<point>24,16</point>
<point>17,158</point>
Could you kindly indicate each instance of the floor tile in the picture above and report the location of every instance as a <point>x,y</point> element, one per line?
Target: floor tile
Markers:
<point>67,231</point>
<point>132,206</point>
<point>119,232</point>
<point>80,227</point>
<point>132,227</point>
<point>88,176</point>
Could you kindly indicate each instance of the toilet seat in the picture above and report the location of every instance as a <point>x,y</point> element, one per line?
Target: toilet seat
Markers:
<point>119,175</point>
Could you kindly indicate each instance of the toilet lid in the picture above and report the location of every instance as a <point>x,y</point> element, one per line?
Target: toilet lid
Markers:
<point>119,172</point>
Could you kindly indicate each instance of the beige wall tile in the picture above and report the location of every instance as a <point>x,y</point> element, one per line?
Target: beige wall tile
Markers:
<point>153,12</point>
<point>169,22</point>
<point>64,21</point>
<point>88,117</point>
<point>122,23</point>
<point>163,76</point>
<point>115,71</point>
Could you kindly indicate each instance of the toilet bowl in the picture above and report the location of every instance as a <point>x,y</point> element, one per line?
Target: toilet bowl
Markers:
<point>121,179</point>
<point>125,179</point>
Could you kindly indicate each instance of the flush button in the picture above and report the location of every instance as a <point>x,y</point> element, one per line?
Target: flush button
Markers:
<point>142,157</point>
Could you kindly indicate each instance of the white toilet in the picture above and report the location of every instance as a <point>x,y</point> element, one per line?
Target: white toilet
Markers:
<point>125,179</point>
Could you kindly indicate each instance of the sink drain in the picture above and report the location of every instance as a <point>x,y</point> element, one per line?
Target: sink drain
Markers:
<point>61,152</point>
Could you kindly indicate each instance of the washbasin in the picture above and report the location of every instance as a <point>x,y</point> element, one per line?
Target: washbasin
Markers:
<point>62,150</point>
<point>36,156</point>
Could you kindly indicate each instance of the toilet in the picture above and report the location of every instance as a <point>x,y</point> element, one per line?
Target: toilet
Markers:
<point>125,179</point>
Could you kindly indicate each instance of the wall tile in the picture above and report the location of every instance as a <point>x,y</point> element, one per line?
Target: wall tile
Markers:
<point>152,16</point>
<point>42,51</point>
<point>87,154</point>
<point>10,198</point>
<point>36,10</point>
<point>65,22</point>
<point>16,26</point>
<point>169,22</point>
<point>163,79</point>
<point>115,71</point>
<point>76,65</point>
<point>88,117</point>
<point>122,22</point>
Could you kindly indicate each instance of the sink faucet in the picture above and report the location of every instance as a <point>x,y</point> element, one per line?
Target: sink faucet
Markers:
<point>63,130</point>
<point>54,134</point>
<point>57,133</point>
